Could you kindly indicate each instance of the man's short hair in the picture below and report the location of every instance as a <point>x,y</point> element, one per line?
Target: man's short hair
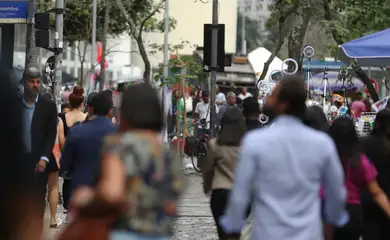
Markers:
<point>101,103</point>
<point>141,108</point>
<point>230,94</point>
<point>250,106</point>
<point>293,91</point>
<point>32,72</point>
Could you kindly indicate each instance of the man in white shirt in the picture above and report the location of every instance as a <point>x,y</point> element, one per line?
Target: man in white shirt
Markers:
<point>244,94</point>
<point>202,115</point>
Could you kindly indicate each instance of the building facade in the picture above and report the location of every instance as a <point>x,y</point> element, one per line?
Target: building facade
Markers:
<point>190,16</point>
<point>257,10</point>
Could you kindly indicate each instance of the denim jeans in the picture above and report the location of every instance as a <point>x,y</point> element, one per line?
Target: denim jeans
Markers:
<point>125,235</point>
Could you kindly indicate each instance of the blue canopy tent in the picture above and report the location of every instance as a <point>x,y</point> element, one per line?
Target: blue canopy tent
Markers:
<point>371,51</point>
<point>317,82</point>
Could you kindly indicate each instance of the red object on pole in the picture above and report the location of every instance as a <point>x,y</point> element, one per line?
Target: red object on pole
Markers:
<point>375,84</point>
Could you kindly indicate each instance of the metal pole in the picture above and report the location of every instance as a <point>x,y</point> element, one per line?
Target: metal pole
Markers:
<point>243,35</point>
<point>214,66</point>
<point>93,40</point>
<point>166,55</point>
<point>58,54</point>
<point>104,46</point>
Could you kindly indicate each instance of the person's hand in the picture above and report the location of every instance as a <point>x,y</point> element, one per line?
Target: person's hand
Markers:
<point>81,197</point>
<point>41,166</point>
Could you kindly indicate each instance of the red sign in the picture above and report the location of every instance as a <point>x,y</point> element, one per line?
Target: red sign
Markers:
<point>375,84</point>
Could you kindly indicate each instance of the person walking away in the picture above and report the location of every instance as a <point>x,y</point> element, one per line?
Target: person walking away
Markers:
<point>231,101</point>
<point>137,171</point>
<point>244,94</point>
<point>220,98</point>
<point>277,168</point>
<point>376,147</point>
<point>316,119</point>
<point>73,117</point>
<point>39,130</point>
<point>52,169</point>
<point>81,155</point>
<point>222,156</point>
<point>358,106</point>
<point>360,173</point>
<point>251,111</point>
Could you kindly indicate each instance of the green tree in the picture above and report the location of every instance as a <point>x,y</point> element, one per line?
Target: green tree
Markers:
<point>253,33</point>
<point>140,15</point>
<point>282,12</point>
<point>78,25</point>
<point>350,19</point>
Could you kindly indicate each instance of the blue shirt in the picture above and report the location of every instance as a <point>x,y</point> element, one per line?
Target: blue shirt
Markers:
<point>28,113</point>
<point>282,169</point>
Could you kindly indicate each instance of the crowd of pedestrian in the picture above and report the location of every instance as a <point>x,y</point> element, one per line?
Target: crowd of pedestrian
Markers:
<point>299,178</point>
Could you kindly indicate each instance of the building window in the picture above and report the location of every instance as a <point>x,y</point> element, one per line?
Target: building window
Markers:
<point>65,52</point>
<point>73,53</point>
<point>79,73</point>
<point>110,75</point>
<point>71,72</point>
<point>259,7</point>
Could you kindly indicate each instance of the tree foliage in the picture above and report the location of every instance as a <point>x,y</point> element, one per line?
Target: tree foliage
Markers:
<point>350,19</point>
<point>78,20</point>
<point>141,16</point>
<point>193,68</point>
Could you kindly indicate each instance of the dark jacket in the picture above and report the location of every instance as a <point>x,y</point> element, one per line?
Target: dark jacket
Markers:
<point>82,149</point>
<point>43,129</point>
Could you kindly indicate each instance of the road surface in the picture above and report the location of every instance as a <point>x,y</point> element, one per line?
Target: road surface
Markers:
<point>195,221</point>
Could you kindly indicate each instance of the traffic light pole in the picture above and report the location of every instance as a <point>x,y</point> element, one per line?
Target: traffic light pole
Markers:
<point>214,66</point>
<point>59,11</point>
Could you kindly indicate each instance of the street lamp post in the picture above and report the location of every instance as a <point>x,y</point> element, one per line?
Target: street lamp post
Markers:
<point>93,40</point>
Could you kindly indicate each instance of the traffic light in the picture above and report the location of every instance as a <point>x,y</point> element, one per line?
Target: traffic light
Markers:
<point>42,34</point>
<point>207,39</point>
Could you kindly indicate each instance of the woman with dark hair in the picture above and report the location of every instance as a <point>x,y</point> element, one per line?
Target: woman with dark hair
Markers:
<point>377,148</point>
<point>251,111</point>
<point>74,116</point>
<point>315,118</point>
<point>359,174</point>
<point>222,155</point>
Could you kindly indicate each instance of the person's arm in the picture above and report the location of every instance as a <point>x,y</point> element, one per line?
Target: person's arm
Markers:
<point>67,158</point>
<point>333,185</point>
<point>235,215</point>
<point>51,132</point>
<point>370,175</point>
<point>61,133</point>
<point>379,196</point>
<point>208,168</point>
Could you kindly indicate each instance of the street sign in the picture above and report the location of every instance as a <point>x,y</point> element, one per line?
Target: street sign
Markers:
<point>12,11</point>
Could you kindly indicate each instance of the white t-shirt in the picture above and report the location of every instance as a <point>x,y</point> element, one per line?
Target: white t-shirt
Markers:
<point>203,110</point>
<point>242,96</point>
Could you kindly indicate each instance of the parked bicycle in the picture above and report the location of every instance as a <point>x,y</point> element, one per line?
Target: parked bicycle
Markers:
<point>199,147</point>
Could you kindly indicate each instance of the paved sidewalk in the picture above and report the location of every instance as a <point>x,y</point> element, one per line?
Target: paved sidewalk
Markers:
<point>195,221</point>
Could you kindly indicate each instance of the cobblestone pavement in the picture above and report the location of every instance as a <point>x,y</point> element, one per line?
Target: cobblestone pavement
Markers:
<point>195,221</point>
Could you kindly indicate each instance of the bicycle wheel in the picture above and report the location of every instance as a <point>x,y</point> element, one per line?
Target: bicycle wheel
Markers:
<point>201,157</point>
